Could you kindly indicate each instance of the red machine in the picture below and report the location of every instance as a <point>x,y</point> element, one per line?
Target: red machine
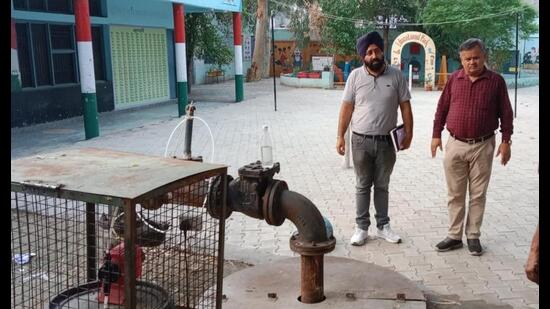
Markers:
<point>111,274</point>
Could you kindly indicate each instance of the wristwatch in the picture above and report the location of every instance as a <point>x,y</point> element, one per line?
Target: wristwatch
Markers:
<point>509,142</point>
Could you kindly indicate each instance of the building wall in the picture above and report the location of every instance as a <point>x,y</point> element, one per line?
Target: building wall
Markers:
<point>142,13</point>
<point>53,105</point>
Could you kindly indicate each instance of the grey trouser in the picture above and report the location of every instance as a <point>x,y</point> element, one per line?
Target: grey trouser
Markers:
<point>373,163</point>
<point>467,167</point>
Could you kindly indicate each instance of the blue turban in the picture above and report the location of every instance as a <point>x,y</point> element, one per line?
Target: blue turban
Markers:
<point>368,39</point>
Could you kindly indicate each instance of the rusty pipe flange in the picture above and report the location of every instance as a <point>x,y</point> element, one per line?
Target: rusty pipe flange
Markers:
<point>215,198</point>
<point>271,202</point>
<point>310,248</point>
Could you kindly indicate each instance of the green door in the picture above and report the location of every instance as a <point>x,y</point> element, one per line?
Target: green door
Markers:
<point>140,65</point>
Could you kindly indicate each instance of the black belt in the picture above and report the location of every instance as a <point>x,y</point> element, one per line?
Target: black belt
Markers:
<point>473,140</point>
<point>375,137</point>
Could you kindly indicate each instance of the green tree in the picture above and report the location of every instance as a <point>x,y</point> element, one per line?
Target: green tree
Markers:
<point>498,31</point>
<point>298,13</point>
<point>339,34</point>
<point>346,20</point>
<point>384,12</point>
<point>205,38</point>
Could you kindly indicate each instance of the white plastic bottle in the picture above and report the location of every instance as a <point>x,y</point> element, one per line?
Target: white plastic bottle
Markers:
<point>266,147</point>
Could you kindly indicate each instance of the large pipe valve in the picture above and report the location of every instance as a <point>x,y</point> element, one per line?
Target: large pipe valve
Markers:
<point>256,194</point>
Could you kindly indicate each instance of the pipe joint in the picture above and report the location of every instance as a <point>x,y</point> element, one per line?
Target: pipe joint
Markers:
<point>311,248</point>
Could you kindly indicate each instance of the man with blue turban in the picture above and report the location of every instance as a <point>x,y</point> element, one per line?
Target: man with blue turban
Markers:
<point>372,95</point>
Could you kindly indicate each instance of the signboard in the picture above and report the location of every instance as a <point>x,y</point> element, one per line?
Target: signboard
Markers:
<point>247,49</point>
<point>320,62</point>
<point>429,48</point>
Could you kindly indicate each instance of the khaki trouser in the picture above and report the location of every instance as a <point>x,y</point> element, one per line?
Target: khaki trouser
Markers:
<point>467,165</point>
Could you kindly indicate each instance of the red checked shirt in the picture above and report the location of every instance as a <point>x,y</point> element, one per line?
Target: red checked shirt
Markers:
<point>473,109</point>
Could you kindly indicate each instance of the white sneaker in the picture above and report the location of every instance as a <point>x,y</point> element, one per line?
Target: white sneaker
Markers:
<point>359,238</point>
<point>388,234</point>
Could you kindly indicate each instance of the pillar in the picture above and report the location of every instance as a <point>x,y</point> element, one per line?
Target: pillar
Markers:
<point>15,73</point>
<point>181,57</point>
<point>86,67</point>
<point>239,82</point>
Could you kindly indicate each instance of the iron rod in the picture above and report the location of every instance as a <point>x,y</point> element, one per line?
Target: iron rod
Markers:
<point>129,254</point>
<point>91,242</point>
<point>517,68</point>
<point>221,239</point>
<point>273,60</point>
<point>188,133</point>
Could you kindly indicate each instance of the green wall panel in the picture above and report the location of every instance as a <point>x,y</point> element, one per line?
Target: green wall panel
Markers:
<point>140,65</point>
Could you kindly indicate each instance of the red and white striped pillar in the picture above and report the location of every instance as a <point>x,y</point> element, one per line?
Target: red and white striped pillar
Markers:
<point>237,33</point>
<point>86,67</point>
<point>181,57</point>
<point>15,73</point>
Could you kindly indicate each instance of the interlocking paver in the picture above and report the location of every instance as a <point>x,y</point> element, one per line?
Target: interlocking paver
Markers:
<point>303,130</point>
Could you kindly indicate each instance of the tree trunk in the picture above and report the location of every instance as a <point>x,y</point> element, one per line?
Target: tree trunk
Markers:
<point>260,42</point>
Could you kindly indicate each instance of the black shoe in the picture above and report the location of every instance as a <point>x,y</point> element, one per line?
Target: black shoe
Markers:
<point>448,244</point>
<point>474,246</point>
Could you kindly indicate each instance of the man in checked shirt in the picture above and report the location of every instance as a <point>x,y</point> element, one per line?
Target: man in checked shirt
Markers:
<point>473,102</point>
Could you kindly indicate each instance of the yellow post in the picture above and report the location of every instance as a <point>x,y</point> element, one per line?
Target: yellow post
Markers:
<point>442,73</point>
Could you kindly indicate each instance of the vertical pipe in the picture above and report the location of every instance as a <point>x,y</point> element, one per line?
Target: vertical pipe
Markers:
<point>312,279</point>
<point>410,77</point>
<point>238,41</point>
<point>129,254</point>
<point>188,133</point>
<point>522,54</point>
<point>181,57</point>
<point>517,67</point>
<point>273,60</point>
<point>86,67</point>
<point>15,72</point>
<point>91,242</point>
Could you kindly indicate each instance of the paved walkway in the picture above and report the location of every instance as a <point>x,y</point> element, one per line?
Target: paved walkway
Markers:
<point>304,133</point>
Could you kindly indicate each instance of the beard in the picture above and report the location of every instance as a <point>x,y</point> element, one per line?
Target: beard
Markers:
<point>376,64</point>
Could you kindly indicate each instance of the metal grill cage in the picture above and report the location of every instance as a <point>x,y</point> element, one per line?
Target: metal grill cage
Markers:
<point>60,240</point>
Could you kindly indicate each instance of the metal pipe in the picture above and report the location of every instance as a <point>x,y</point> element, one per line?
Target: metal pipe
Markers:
<point>256,194</point>
<point>188,131</point>
<point>221,239</point>
<point>311,285</point>
<point>303,213</point>
<point>91,242</point>
<point>130,237</point>
<point>273,60</point>
<point>517,68</point>
<point>410,77</point>
<point>312,242</point>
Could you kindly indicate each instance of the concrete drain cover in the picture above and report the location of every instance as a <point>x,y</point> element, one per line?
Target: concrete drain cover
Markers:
<point>347,284</point>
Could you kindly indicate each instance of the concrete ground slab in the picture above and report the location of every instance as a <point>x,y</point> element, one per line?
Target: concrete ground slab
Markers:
<point>347,284</point>
<point>304,133</point>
